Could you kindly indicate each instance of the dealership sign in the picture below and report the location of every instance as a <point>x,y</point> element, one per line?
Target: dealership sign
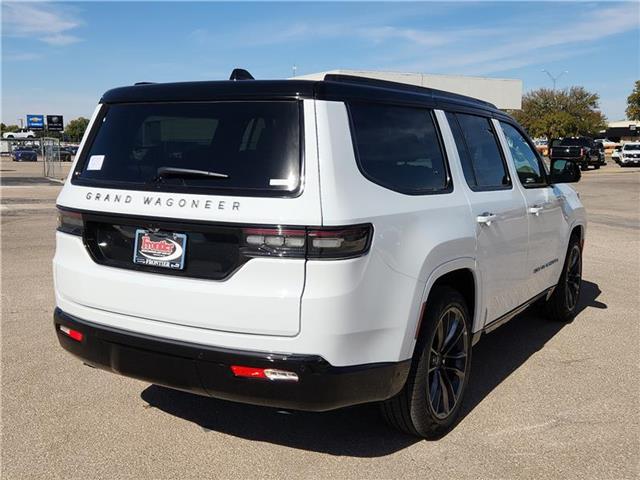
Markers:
<point>54,123</point>
<point>35,122</point>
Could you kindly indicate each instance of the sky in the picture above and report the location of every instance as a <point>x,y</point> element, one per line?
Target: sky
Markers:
<point>58,58</point>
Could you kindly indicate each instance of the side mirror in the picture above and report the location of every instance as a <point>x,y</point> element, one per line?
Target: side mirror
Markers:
<point>565,171</point>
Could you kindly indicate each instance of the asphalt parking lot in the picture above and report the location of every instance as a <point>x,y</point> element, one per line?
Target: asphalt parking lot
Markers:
<point>546,400</point>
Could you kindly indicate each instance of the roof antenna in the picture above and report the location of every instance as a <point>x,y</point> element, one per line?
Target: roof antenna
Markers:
<point>240,74</point>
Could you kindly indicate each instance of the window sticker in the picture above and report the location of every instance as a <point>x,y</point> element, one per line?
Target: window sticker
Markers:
<point>278,182</point>
<point>95,162</point>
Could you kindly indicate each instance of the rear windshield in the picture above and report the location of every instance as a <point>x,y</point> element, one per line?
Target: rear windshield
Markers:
<point>580,142</point>
<point>632,146</point>
<point>245,148</point>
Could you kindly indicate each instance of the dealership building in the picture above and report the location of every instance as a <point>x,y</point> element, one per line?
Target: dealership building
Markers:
<point>504,93</point>
<point>622,131</point>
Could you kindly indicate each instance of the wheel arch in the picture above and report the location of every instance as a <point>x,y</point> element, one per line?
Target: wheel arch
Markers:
<point>459,274</point>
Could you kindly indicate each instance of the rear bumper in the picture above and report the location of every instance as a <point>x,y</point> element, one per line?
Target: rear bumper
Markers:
<point>206,370</point>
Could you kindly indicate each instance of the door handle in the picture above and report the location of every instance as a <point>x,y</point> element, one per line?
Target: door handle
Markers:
<point>536,210</point>
<point>486,218</point>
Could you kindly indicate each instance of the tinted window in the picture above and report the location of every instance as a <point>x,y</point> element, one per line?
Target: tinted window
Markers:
<point>399,147</point>
<point>528,166</point>
<point>255,144</point>
<point>569,142</point>
<point>461,146</point>
<point>484,154</point>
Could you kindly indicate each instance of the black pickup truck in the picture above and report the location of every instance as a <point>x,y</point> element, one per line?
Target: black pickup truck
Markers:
<point>582,150</point>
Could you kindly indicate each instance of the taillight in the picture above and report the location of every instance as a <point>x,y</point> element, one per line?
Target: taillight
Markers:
<point>311,242</point>
<point>70,222</point>
<point>274,242</point>
<point>582,152</point>
<point>338,242</point>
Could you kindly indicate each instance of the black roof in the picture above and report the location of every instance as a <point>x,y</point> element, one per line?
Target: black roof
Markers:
<point>333,87</point>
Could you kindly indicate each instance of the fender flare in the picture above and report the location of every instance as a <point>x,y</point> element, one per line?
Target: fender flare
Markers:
<point>460,263</point>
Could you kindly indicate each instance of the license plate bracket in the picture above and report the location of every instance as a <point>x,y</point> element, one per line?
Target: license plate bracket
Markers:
<point>160,249</point>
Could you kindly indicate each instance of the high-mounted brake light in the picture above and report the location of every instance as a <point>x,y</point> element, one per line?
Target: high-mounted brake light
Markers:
<point>70,222</point>
<point>324,243</point>
<point>70,332</point>
<point>264,373</point>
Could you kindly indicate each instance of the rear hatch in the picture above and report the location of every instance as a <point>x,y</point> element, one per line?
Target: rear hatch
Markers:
<point>168,194</point>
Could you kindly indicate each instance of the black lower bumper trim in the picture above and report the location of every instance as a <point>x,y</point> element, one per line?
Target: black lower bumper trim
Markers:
<point>206,370</point>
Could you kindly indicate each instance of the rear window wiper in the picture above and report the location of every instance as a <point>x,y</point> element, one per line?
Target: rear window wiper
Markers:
<point>175,172</point>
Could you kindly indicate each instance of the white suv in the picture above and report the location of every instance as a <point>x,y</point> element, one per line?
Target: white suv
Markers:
<point>630,154</point>
<point>308,244</point>
<point>22,133</point>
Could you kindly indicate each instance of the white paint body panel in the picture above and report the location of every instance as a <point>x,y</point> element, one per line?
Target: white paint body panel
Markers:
<point>350,312</point>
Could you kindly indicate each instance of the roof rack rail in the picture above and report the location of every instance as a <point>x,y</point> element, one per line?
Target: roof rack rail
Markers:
<point>375,82</point>
<point>144,83</point>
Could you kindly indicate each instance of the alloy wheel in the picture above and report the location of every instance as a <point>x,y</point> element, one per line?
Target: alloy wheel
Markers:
<point>574,278</point>
<point>447,362</point>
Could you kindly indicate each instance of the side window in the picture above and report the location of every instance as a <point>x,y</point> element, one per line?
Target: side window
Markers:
<point>489,169</point>
<point>530,170</point>
<point>463,153</point>
<point>399,148</point>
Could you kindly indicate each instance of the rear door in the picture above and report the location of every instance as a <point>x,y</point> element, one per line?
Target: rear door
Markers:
<point>174,197</point>
<point>499,211</point>
<point>548,228</point>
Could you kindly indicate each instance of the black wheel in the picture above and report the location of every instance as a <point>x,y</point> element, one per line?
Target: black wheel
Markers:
<point>563,303</point>
<point>429,403</point>
<point>584,167</point>
<point>597,166</point>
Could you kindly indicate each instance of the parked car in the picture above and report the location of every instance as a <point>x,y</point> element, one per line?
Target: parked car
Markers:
<point>630,154</point>
<point>24,154</point>
<point>73,149</point>
<point>617,153</point>
<point>22,133</point>
<point>578,149</point>
<point>62,153</point>
<point>606,143</point>
<point>309,244</point>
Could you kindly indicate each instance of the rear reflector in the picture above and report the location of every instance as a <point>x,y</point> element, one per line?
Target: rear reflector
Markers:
<point>69,332</point>
<point>264,373</point>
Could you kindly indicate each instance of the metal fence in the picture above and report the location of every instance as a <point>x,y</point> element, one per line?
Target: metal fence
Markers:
<point>51,157</point>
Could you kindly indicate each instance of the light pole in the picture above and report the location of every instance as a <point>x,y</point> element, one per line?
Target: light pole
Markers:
<point>554,79</point>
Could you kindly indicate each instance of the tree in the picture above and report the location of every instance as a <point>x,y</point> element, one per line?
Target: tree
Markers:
<point>633,103</point>
<point>75,129</point>
<point>9,128</point>
<point>560,113</point>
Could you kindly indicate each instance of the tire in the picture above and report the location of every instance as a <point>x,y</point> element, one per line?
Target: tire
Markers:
<point>424,407</point>
<point>563,303</point>
<point>597,166</point>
